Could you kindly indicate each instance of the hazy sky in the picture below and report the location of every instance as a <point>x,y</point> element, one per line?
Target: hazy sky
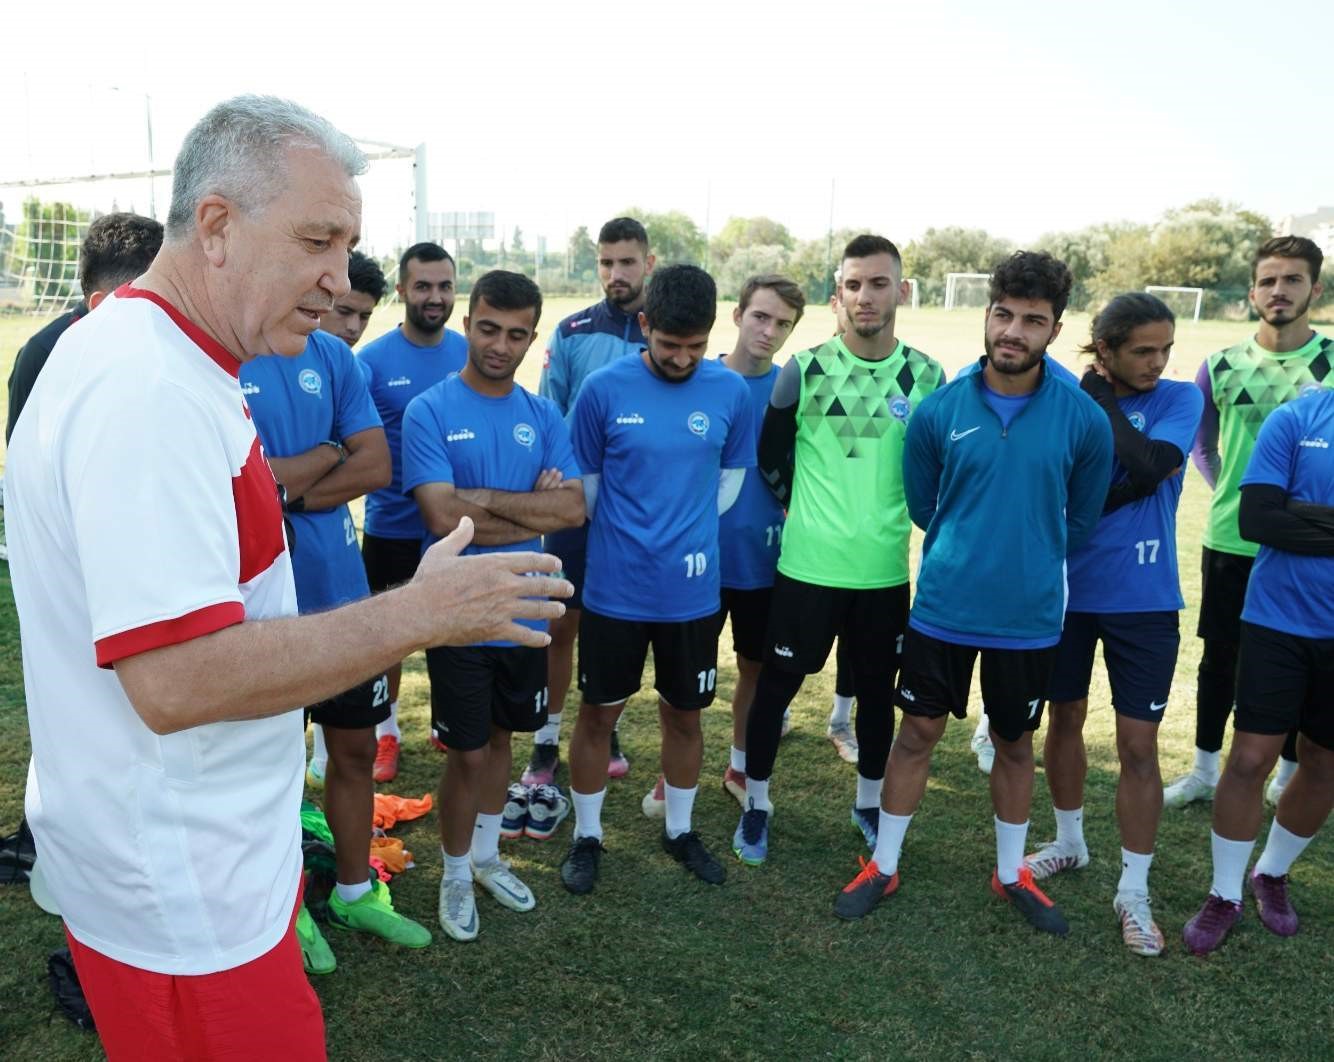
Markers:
<point>1018,118</point>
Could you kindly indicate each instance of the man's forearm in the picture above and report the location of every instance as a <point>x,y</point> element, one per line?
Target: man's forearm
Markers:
<point>540,510</point>
<point>488,529</point>
<point>299,473</point>
<point>285,663</point>
<point>360,474</point>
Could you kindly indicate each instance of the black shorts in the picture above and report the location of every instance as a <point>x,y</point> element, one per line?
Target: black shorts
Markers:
<point>1139,649</point>
<point>804,620</point>
<point>935,675</point>
<point>478,688</point>
<point>612,654</point>
<point>389,562</point>
<point>571,546</point>
<point>1223,578</point>
<point>1285,682</point>
<point>749,610</point>
<point>355,709</point>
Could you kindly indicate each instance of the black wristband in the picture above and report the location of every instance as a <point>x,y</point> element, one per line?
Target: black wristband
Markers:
<point>342,452</point>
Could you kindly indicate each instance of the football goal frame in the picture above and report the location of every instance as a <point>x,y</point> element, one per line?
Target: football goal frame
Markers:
<point>1153,289</point>
<point>952,285</point>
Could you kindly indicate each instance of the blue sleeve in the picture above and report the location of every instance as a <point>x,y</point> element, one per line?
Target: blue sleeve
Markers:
<point>587,430</point>
<point>922,465</point>
<point>739,447</point>
<point>555,381</point>
<point>354,410</point>
<point>425,454</point>
<point>559,450</point>
<point>1182,420</point>
<point>1271,460</point>
<point>1089,477</point>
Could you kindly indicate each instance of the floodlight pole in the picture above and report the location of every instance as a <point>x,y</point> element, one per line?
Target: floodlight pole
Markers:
<point>422,220</point>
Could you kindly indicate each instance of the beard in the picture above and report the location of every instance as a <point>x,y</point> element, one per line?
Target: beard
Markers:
<point>1027,362</point>
<point>416,316</point>
<point>1281,315</point>
<point>623,296</point>
<point>869,331</point>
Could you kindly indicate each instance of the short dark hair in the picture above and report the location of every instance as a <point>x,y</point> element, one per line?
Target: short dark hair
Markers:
<point>682,300</point>
<point>507,291</point>
<point>366,276</point>
<point>1290,247</point>
<point>618,229</point>
<point>117,248</point>
<point>423,252</point>
<point>866,244</point>
<point>1032,275</point>
<point>785,289</point>
<point>1123,315</point>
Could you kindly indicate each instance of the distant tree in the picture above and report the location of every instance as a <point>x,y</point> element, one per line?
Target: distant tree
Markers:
<point>583,253</point>
<point>812,263</point>
<point>1086,252</point>
<point>516,244</point>
<point>950,250</point>
<point>673,237</point>
<point>737,233</point>
<point>746,262</point>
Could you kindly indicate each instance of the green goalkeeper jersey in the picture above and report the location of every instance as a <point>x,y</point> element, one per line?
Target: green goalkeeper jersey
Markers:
<point>847,524</point>
<point>1246,383</point>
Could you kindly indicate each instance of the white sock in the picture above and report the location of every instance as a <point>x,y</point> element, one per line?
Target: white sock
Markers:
<point>1070,829</point>
<point>1206,765</point>
<point>352,893</point>
<point>486,839</point>
<point>1286,769</point>
<point>1134,871</point>
<point>319,755</point>
<point>457,868</point>
<point>588,813</point>
<point>1281,851</point>
<point>868,791</point>
<point>1230,859</point>
<point>680,802</point>
<point>842,712</point>
<point>550,733</point>
<point>738,759</point>
<point>889,842</point>
<point>983,726</point>
<point>389,728</point>
<point>1010,840</point>
<point>757,794</point>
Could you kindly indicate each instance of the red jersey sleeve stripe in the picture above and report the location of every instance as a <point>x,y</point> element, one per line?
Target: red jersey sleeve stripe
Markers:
<point>168,632</point>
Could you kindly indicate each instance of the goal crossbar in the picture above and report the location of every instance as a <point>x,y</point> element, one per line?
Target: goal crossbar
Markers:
<point>1153,289</point>
<point>952,285</point>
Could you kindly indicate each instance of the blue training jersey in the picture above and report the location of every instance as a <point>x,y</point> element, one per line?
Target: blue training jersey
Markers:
<point>658,448</point>
<point>1130,563</point>
<point>1293,592</point>
<point>584,342</point>
<point>298,403</point>
<point>399,371</point>
<point>452,434</point>
<point>751,531</point>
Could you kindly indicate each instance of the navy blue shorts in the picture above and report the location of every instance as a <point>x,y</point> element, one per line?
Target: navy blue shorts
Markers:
<point>571,546</point>
<point>1140,650</point>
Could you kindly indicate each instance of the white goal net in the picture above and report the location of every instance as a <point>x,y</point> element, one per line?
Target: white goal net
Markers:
<point>966,290</point>
<point>1184,302</point>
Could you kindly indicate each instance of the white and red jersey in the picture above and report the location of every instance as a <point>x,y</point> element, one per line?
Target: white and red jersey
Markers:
<point>141,513</point>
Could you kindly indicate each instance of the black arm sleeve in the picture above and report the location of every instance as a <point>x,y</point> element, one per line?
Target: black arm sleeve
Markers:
<point>27,365</point>
<point>1147,461</point>
<point>1267,517</point>
<point>778,433</point>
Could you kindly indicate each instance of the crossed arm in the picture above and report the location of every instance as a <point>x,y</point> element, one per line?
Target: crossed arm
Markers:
<point>502,517</point>
<point>323,482</point>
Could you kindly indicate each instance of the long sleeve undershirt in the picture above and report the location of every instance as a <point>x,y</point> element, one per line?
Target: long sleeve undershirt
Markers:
<point>1147,461</point>
<point>1268,516</point>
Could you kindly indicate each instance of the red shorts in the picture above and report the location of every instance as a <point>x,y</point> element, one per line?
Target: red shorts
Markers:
<point>264,1008</point>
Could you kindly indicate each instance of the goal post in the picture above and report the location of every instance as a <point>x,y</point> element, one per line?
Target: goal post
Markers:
<point>1178,298</point>
<point>966,290</point>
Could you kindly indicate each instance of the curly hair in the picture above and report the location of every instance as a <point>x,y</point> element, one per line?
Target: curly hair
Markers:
<point>366,276</point>
<point>1032,275</point>
<point>682,300</point>
<point>117,248</point>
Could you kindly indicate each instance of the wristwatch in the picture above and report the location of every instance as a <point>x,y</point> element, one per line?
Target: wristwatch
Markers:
<point>342,452</point>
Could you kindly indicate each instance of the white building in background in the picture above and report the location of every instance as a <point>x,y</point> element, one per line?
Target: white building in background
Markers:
<point>1318,226</point>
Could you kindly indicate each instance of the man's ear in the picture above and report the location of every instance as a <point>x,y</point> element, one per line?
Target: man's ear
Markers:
<point>213,218</point>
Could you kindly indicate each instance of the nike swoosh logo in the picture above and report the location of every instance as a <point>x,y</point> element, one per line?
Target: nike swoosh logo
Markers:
<point>955,436</point>
<point>1157,707</point>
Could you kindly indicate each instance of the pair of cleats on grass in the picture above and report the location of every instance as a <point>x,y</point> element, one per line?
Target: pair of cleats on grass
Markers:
<point>372,912</point>
<point>582,864</point>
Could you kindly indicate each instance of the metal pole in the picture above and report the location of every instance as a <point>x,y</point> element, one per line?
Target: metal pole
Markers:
<point>421,207</point>
<point>152,189</point>
<point>829,243</point>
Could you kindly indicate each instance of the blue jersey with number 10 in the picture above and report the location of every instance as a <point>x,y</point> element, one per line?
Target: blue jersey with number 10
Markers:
<point>657,448</point>
<point>1294,592</point>
<point>1130,563</point>
<point>751,531</point>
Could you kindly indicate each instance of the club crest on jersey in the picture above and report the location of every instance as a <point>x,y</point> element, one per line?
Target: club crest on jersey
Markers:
<point>1309,389</point>
<point>1136,420</point>
<point>524,435</point>
<point>899,407</point>
<point>310,381</point>
<point>698,423</point>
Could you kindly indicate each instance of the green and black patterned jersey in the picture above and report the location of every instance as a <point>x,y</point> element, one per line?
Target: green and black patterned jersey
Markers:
<point>1243,385</point>
<point>847,523</point>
